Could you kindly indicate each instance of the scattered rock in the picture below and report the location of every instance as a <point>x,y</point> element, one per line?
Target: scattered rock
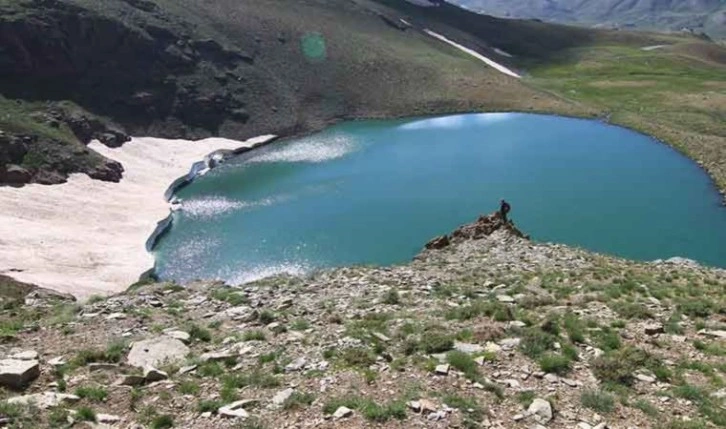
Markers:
<point>654,328</point>
<point>156,352</point>
<point>541,410</point>
<point>24,355</point>
<point>442,369</point>
<point>296,365</point>
<point>282,396</point>
<point>182,336</point>
<point>217,356</point>
<point>505,299</point>
<point>17,373</point>
<point>235,410</point>
<point>108,418</point>
<point>131,380</point>
<point>381,337</point>
<point>342,412</point>
<point>468,348</point>
<point>152,374</point>
<point>102,366</point>
<point>713,333</point>
<point>44,400</point>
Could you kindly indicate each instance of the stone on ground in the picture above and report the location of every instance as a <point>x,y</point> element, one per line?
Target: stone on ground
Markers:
<point>282,396</point>
<point>16,373</point>
<point>342,412</point>
<point>541,410</point>
<point>157,351</point>
<point>235,409</point>
<point>44,400</point>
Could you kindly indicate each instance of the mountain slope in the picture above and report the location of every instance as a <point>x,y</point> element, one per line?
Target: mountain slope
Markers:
<point>195,68</point>
<point>698,15</point>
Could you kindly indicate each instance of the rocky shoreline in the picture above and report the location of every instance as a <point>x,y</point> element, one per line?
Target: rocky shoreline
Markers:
<point>491,331</point>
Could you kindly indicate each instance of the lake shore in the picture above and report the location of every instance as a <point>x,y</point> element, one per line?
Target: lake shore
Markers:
<point>97,242</point>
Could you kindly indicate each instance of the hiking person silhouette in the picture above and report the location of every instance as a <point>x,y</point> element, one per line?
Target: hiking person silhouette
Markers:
<point>504,210</point>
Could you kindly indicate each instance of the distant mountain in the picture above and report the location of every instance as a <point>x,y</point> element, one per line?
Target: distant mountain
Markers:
<point>708,16</point>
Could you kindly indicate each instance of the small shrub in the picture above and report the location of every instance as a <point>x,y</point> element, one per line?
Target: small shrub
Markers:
<point>632,310</point>
<point>266,317</point>
<point>696,308</point>
<point>197,333</point>
<point>473,413</point>
<point>357,356</point>
<point>298,400</point>
<point>188,388</point>
<point>535,342</point>
<point>58,417</point>
<point>86,414</point>
<point>391,297</point>
<point>162,422</point>
<point>646,407</point>
<point>255,335</point>
<point>208,406</point>
<point>575,328</point>
<point>436,342</point>
<point>210,369</point>
<point>554,363</point>
<point>597,400</point>
<point>300,325</point>
<point>464,363</point>
<point>97,394</point>
<point>526,397</point>
<point>607,339</point>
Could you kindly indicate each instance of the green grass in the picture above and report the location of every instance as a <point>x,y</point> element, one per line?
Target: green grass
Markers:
<point>113,353</point>
<point>164,421</point>
<point>555,363</point>
<point>598,400</point>
<point>300,325</point>
<point>188,387</point>
<point>473,412</point>
<point>254,335</point>
<point>646,407</point>
<point>255,377</point>
<point>391,297</point>
<point>208,406</point>
<point>86,414</point>
<point>368,408</point>
<point>197,333</point>
<point>535,342</point>
<point>436,342</point>
<point>464,363</point>
<point>298,400</point>
<point>360,357</point>
<point>98,394</point>
<point>575,328</point>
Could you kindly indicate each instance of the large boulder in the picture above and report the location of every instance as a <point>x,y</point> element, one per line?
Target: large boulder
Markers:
<point>157,351</point>
<point>17,373</point>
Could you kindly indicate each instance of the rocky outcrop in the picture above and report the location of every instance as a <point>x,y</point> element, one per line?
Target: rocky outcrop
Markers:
<point>147,69</point>
<point>482,227</point>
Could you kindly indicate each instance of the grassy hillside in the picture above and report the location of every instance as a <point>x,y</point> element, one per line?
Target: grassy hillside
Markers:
<point>668,15</point>
<point>669,86</point>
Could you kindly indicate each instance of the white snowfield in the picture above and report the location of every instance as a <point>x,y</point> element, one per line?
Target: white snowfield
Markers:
<point>88,237</point>
<point>489,62</point>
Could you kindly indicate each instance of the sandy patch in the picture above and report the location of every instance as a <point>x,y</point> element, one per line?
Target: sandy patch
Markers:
<point>88,237</point>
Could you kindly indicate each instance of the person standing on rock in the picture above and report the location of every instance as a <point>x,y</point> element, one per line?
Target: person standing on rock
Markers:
<point>504,209</point>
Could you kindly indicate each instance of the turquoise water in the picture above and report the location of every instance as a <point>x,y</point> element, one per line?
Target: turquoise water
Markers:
<point>375,192</point>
